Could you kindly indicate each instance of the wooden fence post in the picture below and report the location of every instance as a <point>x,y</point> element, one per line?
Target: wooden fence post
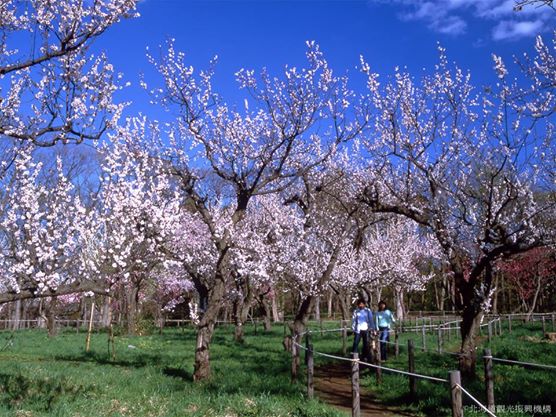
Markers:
<point>355,398</point>
<point>510,323</point>
<point>489,379</point>
<point>377,358</point>
<point>439,335</point>
<point>411,368</point>
<point>310,372</point>
<point>294,357</point>
<point>344,338</point>
<point>424,338</point>
<point>500,326</point>
<point>90,329</point>
<point>455,390</point>
<point>307,343</point>
<point>396,345</point>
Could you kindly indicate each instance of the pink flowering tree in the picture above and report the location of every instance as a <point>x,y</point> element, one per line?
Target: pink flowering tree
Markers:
<point>134,219</point>
<point>53,90</point>
<point>529,273</point>
<point>40,235</point>
<point>470,166</point>
<point>387,254</point>
<point>260,149</point>
<point>315,228</point>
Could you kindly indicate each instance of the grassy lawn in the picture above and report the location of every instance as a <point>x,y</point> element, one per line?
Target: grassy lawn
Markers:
<point>514,385</point>
<point>150,377</point>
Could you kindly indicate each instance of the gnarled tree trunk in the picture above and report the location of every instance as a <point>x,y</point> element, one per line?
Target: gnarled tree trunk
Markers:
<point>474,298</point>
<point>298,327</point>
<point>212,299</point>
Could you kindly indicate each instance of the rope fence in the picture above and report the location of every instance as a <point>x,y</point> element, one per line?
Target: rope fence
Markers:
<point>455,379</point>
<point>476,401</point>
<point>457,391</point>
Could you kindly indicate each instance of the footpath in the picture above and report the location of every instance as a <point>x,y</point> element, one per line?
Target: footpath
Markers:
<point>333,386</point>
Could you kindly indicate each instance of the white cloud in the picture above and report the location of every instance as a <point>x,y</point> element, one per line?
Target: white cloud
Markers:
<point>436,18</point>
<point>510,29</point>
<point>452,16</point>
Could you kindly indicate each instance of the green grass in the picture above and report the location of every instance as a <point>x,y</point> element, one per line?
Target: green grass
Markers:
<point>514,385</point>
<point>43,376</point>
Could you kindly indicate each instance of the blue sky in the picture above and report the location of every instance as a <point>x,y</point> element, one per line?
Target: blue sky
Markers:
<point>258,33</point>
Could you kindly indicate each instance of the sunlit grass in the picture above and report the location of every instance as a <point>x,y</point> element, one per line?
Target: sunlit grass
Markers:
<point>151,376</point>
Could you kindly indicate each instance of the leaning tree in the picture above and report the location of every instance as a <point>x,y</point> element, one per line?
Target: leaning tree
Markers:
<point>473,166</point>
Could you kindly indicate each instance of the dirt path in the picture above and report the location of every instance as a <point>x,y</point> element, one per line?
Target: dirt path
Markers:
<point>333,386</point>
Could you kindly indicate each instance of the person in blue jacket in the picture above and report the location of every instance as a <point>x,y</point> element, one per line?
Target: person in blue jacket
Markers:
<point>362,323</point>
<point>384,319</point>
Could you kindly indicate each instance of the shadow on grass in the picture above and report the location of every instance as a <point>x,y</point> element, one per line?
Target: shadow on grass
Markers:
<point>41,393</point>
<point>139,361</point>
<point>178,373</point>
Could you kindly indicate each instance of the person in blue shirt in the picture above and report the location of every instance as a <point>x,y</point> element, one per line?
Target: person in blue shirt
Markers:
<point>362,323</point>
<point>384,319</point>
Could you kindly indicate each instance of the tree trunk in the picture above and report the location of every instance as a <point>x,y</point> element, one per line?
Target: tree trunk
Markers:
<point>25,313</point>
<point>16,315</point>
<point>378,294</point>
<point>535,299</point>
<point>275,313</point>
<point>471,321</point>
<point>345,306</point>
<point>267,313</point>
<point>495,301</point>
<point>317,309</point>
<point>240,313</point>
<point>400,306</point>
<point>298,327</point>
<point>472,311</point>
<point>329,312</point>
<point>241,306</point>
<point>442,292</point>
<point>41,322</point>
<point>51,317</point>
<point>205,328</point>
<point>132,309</point>
<point>107,312</point>
<point>436,295</point>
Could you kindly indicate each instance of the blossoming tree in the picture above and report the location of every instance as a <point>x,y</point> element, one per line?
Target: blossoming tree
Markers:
<point>468,166</point>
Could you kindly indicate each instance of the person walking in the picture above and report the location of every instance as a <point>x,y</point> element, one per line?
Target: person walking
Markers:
<point>362,323</point>
<point>384,319</point>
